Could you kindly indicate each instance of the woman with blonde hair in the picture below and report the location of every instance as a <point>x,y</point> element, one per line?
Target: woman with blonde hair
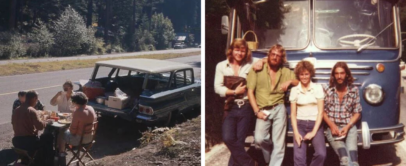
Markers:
<point>239,116</point>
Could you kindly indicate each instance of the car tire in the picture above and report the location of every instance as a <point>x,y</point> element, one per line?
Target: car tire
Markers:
<point>170,120</point>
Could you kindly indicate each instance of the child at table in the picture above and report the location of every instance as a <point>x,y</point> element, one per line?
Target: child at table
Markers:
<point>21,99</point>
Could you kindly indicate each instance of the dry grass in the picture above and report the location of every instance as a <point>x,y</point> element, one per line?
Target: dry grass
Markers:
<point>38,67</point>
<point>179,145</point>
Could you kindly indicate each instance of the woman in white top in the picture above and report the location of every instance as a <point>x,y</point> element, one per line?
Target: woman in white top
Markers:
<point>63,98</point>
<point>236,124</point>
<point>307,101</point>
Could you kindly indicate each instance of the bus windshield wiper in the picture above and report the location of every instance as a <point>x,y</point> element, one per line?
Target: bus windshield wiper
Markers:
<point>370,41</point>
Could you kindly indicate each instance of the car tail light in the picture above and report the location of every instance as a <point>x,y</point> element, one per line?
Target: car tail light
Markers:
<point>145,110</point>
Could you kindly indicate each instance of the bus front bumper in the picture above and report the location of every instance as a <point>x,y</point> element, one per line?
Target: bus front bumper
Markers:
<point>378,136</point>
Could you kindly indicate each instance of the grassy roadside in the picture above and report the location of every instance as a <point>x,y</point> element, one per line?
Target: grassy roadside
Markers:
<point>39,67</point>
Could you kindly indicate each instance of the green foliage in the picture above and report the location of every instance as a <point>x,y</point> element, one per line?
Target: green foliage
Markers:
<point>71,35</point>
<point>64,28</point>
<point>100,49</point>
<point>91,44</point>
<point>146,40</point>
<point>162,30</point>
<point>41,40</point>
<point>114,48</point>
<point>11,45</point>
<point>191,40</point>
<point>70,31</point>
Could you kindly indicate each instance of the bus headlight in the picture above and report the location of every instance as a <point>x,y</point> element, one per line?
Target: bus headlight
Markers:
<point>373,94</point>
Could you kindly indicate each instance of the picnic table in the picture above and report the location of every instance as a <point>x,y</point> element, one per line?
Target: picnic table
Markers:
<point>55,127</point>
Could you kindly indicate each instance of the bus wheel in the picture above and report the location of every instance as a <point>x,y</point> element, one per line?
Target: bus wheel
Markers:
<point>366,135</point>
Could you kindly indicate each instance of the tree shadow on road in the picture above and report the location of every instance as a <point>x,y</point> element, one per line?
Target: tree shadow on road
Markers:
<point>7,156</point>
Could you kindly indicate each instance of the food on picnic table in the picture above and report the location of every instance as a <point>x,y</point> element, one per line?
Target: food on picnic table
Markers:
<point>53,114</point>
<point>63,121</point>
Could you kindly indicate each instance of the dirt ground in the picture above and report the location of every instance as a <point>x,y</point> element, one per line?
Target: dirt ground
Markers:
<point>179,145</point>
<point>118,143</point>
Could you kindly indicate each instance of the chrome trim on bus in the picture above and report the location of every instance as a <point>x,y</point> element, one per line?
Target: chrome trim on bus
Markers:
<point>397,137</point>
<point>353,73</point>
<point>326,78</point>
<point>352,68</point>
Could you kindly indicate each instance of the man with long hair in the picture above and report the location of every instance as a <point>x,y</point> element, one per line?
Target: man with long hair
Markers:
<point>236,120</point>
<point>266,92</point>
<point>342,110</point>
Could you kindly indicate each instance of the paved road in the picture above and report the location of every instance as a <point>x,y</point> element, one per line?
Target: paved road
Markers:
<point>385,155</point>
<point>100,56</point>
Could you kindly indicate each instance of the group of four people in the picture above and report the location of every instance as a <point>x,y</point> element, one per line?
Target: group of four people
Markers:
<point>26,122</point>
<point>337,104</point>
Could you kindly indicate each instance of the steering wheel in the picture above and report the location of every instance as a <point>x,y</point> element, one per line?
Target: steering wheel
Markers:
<point>357,40</point>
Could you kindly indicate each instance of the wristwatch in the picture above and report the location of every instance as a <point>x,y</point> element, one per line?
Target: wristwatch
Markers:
<point>234,93</point>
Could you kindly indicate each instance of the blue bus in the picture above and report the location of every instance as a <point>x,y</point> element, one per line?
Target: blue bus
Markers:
<point>364,33</point>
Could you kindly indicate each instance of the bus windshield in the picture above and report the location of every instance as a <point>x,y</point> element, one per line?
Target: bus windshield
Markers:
<point>294,31</point>
<point>366,24</point>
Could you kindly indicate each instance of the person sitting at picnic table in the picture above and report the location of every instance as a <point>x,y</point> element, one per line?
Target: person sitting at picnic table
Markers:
<point>63,98</point>
<point>21,99</point>
<point>26,124</point>
<point>82,116</point>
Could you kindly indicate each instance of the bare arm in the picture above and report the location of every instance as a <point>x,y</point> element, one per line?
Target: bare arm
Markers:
<point>39,125</point>
<point>286,84</point>
<point>253,101</point>
<point>353,120</point>
<point>332,125</point>
<point>293,118</point>
<point>75,124</point>
<point>54,99</point>
<point>320,105</point>
<point>259,65</point>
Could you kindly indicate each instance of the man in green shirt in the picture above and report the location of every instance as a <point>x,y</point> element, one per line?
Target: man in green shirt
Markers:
<point>266,92</point>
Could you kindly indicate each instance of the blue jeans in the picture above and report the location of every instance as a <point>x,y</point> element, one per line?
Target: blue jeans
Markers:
<point>318,142</point>
<point>235,129</point>
<point>347,149</point>
<point>276,120</point>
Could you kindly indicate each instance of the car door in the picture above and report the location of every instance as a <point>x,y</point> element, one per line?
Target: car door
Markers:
<point>184,80</point>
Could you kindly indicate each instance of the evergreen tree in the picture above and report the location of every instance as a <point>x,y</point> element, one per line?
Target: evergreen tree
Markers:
<point>71,34</point>
<point>162,30</point>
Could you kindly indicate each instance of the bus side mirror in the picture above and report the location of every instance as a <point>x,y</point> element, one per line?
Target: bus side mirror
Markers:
<point>224,25</point>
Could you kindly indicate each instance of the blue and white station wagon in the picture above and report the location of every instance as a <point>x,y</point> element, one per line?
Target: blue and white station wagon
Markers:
<point>153,92</point>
